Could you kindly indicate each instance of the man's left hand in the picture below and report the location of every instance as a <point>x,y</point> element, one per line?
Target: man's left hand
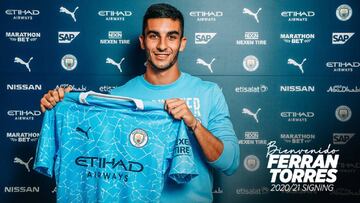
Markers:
<point>179,110</point>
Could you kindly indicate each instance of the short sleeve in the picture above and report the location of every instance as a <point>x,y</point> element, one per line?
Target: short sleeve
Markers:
<point>182,166</point>
<point>46,146</point>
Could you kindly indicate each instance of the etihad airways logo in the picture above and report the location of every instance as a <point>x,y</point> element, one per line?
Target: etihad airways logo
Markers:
<point>23,87</point>
<point>297,16</point>
<point>339,66</point>
<point>23,37</point>
<point>112,15</point>
<point>291,38</point>
<point>206,16</point>
<point>292,116</point>
<point>23,114</point>
<point>204,37</point>
<point>22,14</point>
<point>297,88</point>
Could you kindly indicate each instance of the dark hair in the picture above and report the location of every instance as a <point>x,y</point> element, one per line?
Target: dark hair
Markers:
<point>163,10</point>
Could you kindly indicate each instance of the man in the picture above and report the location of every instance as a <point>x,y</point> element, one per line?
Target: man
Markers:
<point>202,105</point>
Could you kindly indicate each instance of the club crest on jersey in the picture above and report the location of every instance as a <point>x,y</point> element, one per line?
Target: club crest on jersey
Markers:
<point>138,138</point>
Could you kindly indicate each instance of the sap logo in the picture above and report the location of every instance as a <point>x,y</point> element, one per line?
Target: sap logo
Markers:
<point>203,38</point>
<point>342,138</point>
<point>341,37</point>
<point>67,37</point>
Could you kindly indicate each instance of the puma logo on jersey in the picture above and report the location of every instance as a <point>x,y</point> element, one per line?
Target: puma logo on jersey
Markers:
<point>83,131</point>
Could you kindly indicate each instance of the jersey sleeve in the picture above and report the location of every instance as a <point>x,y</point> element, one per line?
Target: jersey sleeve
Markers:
<point>221,127</point>
<point>46,146</point>
<point>182,166</point>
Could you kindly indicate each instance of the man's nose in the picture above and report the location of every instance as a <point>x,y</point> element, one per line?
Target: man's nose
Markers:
<point>161,46</point>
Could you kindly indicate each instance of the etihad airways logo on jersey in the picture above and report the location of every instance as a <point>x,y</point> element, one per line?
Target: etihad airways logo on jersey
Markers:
<point>204,37</point>
<point>297,116</point>
<point>251,38</point>
<point>115,37</point>
<point>23,87</point>
<point>23,37</point>
<point>22,14</point>
<point>22,137</point>
<point>251,89</point>
<point>206,16</point>
<point>339,66</point>
<point>112,15</point>
<point>23,114</point>
<point>100,162</point>
<point>298,88</point>
<point>297,16</point>
<point>21,189</point>
<point>291,38</point>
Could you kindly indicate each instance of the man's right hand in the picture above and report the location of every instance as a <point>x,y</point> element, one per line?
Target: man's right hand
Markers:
<point>49,100</point>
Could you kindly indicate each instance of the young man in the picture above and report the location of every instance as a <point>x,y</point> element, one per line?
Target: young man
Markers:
<point>200,104</point>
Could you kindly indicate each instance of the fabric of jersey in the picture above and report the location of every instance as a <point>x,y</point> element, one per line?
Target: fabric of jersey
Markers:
<point>107,150</point>
<point>207,102</point>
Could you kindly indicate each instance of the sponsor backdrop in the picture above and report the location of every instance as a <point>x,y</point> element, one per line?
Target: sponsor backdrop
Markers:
<point>288,69</point>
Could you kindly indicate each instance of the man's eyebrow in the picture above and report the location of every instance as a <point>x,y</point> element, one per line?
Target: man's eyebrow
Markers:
<point>157,33</point>
<point>173,33</point>
<point>152,32</point>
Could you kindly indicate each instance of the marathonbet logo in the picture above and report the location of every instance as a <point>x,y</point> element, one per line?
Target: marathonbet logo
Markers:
<point>204,37</point>
<point>297,38</point>
<point>67,37</point>
<point>23,37</point>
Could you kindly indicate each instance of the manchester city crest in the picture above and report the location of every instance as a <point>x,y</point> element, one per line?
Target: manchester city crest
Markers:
<point>138,138</point>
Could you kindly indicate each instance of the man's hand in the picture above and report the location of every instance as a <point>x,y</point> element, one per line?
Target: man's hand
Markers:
<point>49,100</point>
<point>179,110</point>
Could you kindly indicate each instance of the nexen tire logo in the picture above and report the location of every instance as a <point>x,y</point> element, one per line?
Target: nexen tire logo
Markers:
<point>341,37</point>
<point>203,37</point>
<point>67,37</point>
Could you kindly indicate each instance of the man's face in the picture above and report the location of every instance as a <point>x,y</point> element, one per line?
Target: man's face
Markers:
<point>162,42</point>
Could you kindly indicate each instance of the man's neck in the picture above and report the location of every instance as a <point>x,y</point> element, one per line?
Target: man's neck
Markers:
<point>162,77</point>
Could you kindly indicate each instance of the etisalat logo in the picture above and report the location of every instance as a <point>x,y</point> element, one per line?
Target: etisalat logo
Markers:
<point>206,16</point>
<point>251,38</point>
<point>291,38</point>
<point>302,170</point>
<point>208,65</point>
<point>252,89</point>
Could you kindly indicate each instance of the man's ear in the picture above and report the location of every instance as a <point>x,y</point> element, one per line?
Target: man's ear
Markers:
<point>182,43</point>
<point>141,40</point>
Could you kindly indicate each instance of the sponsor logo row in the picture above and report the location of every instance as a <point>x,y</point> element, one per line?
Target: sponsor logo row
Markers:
<point>200,38</point>
<point>343,13</point>
<point>250,64</point>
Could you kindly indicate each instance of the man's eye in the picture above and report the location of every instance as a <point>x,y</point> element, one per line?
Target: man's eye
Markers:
<point>153,37</point>
<point>172,37</point>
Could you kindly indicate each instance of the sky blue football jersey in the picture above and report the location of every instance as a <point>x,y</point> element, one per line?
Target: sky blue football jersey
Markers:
<point>104,148</point>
